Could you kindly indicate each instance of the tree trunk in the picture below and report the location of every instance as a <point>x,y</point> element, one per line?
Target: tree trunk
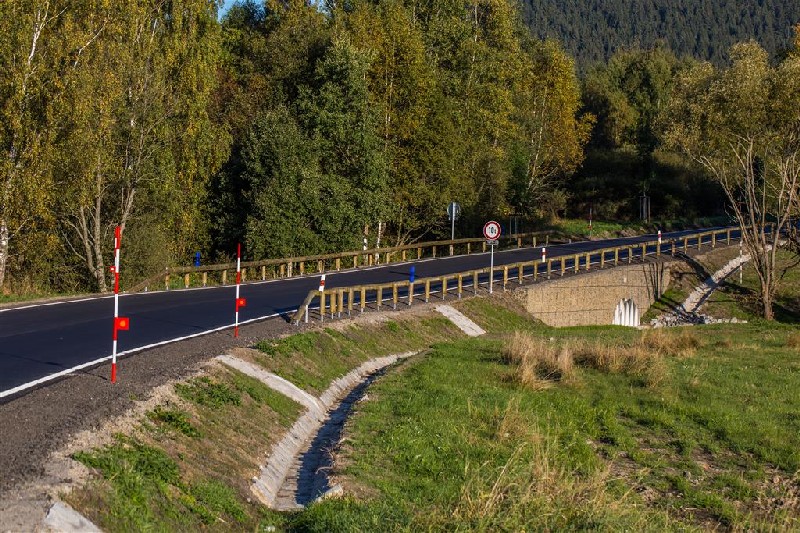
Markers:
<point>4,238</point>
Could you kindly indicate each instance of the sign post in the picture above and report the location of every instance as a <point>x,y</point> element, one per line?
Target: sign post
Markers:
<point>491,230</point>
<point>453,211</point>
<point>240,302</point>
<point>120,323</point>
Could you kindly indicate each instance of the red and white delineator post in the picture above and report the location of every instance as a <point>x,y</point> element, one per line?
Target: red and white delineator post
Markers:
<point>659,237</point>
<point>240,302</point>
<point>120,322</point>
<point>321,298</point>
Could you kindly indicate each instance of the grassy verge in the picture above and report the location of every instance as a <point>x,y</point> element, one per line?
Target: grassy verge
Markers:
<point>601,229</point>
<point>187,463</point>
<point>459,441</point>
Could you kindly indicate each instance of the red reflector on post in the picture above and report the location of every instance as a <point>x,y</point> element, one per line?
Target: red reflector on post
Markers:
<point>122,323</point>
<point>241,302</point>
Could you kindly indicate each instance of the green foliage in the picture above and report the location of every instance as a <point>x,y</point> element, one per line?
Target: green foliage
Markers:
<point>203,391</point>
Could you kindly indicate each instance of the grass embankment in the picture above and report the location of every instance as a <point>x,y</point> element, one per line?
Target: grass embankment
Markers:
<point>528,428</point>
<point>580,428</point>
<point>187,464</point>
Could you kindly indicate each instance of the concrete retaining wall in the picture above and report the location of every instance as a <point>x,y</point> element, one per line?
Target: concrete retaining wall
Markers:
<point>591,298</point>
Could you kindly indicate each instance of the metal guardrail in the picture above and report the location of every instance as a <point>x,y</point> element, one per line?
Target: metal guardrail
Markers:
<point>185,277</point>
<point>346,299</point>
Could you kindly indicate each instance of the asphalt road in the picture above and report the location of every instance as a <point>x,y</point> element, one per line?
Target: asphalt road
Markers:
<point>41,342</point>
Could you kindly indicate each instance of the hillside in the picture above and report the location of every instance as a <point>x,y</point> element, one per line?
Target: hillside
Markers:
<point>593,30</point>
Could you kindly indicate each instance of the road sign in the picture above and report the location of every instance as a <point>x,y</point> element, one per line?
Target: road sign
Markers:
<point>491,230</point>
<point>492,242</point>
<point>453,210</point>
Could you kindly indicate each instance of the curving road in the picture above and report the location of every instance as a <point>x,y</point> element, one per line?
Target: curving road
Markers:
<point>39,343</point>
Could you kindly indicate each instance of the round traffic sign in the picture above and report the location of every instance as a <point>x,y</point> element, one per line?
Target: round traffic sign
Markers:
<point>491,230</point>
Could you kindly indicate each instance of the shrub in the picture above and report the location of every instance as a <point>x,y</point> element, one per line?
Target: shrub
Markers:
<point>539,362</point>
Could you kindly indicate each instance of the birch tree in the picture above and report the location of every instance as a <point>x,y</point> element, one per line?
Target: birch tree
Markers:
<point>742,124</point>
<point>29,54</point>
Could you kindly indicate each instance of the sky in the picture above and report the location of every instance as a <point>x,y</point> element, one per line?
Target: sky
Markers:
<point>226,6</point>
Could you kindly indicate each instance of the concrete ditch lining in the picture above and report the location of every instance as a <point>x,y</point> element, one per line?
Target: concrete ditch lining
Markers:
<point>284,455</point>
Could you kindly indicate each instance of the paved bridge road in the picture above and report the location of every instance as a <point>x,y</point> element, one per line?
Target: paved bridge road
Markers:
<point>41,342</point>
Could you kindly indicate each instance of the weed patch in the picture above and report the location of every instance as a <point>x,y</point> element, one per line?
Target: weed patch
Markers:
<point>175,420</point>
<point>203,391</point>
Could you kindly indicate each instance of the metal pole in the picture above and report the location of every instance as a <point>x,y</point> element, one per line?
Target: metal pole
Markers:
<point>453,225</point>
<point>238,282</point>
<point>491,270</point>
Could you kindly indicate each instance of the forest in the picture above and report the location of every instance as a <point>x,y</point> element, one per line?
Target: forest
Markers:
<point>297,128</point>
<point>594,30</point>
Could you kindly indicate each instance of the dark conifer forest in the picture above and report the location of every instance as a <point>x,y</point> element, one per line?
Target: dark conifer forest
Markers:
<point>593,30</point>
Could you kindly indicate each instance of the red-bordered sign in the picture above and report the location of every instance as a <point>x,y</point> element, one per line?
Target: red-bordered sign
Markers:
<point>492,230</point>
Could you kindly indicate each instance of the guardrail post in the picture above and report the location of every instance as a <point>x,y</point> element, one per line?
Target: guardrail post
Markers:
<point>475,282</point>
<point>673,248</point>
<point>186,281</point>
<point>434,252</point>
<point>338,264</point>
<point>685,244</point>
<point>205,279</point>
<point>403,255</point>
<point>166,282</point>
<point>263,273</point>
<point>224,277</point>
<point>410,293</point>
<point>469,248</point>
<point>380,297</point>
<point>394,296</point>
<point>350,294</point>
<point>505,277</point>
<point>363,303</point>
<point>644,251</point>
<point>302,268</point>
<point>549,267</point>
<point>341,302</point>
<point>306,315</point>
<point>244,274</point>
<point>577,263</point>
<point>546,240</point>
<point>419,253</point>
<point>616,256</point>
<point>563,266</point>
<point>519,242</point>
<point>451,250</point>
<point>460,285</point>
<point>427,290</point>
<point>713,239</point>
<point>521,273</point>
<point>483,246</point>
<point>588,261</point>
<point>728,236</point>
<point>602,259</point>
<point>322,306</point>
<point>699,241</point>
<point>630,254</point>
<point>534,241</point>
<point>444,286</point>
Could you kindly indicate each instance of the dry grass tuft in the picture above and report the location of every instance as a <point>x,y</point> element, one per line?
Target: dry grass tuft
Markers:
<point>532,488</point>
<point>793,341</point>
<point>638,361</point>
<point>539,362</point>
<point>682,344</point>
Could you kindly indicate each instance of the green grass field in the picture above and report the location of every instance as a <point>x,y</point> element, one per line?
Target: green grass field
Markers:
<point>453,441</point>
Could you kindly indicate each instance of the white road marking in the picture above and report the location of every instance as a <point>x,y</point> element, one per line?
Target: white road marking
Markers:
<point>96,362</point>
